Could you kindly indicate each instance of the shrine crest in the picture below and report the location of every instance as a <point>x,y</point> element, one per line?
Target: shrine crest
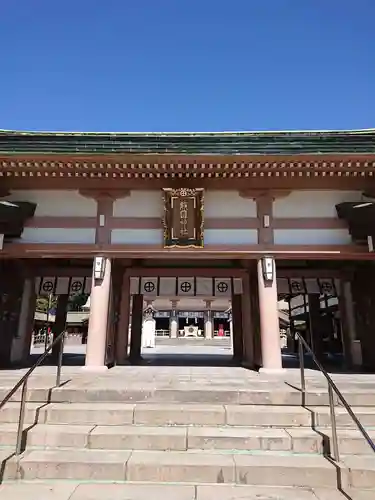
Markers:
<point>183,217</point>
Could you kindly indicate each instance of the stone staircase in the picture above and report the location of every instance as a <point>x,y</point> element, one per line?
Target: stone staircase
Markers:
<point>223,342</point>
<point>186,440</point>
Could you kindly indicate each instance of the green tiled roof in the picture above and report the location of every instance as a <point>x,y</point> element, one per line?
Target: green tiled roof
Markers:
<point>195,143</point>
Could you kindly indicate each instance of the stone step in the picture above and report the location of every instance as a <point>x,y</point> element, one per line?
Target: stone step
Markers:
<point>136,491</point>
<point>188,414</point>
<point>296,440</point>
<point>351,441</point>
<point>139,437</point>
<point>295,416</point>
<point>197,467</point>
<point>207,394</point>
<point>60,490</point>
<point>184,393</point>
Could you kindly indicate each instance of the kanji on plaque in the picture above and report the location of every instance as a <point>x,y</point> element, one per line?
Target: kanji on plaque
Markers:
<point>183,217</point>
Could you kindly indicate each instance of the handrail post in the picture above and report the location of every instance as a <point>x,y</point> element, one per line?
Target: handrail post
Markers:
<point>302,370</point>
<point>21,420</point>
<point>332,389</point>
<point>59,361</point>
<point>335,443</point>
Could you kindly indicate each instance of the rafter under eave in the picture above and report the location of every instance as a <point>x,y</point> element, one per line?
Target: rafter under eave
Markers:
<point>51,169</point>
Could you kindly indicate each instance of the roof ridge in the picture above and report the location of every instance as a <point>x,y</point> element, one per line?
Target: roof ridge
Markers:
<point>186,133</point>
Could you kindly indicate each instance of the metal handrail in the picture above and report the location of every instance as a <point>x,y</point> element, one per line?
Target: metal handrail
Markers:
<point>332,387</point>
<point>23,382</point>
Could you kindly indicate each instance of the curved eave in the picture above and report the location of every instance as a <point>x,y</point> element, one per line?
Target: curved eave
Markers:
<point>319,143</point>
<point>160,167</point>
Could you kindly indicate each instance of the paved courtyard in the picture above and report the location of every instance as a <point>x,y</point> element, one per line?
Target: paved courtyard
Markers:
<point>161,354</point>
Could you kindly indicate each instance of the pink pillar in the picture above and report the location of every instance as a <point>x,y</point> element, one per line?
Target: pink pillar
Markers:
<point>98,321</point>
<point>269,321</point>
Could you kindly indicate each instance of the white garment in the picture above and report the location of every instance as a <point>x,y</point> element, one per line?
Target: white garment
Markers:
<point>148,333</point>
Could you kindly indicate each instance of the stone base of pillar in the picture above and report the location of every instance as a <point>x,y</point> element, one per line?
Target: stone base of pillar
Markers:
<point>95,369</point>
<point>272,371</point>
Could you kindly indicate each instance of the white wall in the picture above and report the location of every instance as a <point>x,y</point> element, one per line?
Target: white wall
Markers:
<point>312,237</point>
<point>217,204</point>
<point>228,204</point>
<point>312,203</point>
<point>230,237</point>
<point>57,203</point>
<point>140,204</point>
<point>57,235</point>
<point>211,236</point>
<point>137,236</point>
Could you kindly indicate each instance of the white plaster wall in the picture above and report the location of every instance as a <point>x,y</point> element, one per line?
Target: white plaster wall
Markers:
<point>211,236</point>
<point>230,237</point>
<point>312,237</point>
<point>312,203</point>
<point>57,203</point>
<point>137,236</point>
<point>57,235</point>
<point>228,204</point>
<point>140,204</point>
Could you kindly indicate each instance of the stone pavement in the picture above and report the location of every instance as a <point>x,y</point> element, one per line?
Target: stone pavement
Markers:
<point>117,491</point>
<point>168,353</point>
<point>179,376</point>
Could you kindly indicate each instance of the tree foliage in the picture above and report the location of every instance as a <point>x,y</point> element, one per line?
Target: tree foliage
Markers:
<point>76,302</point>
<point>43,302</point>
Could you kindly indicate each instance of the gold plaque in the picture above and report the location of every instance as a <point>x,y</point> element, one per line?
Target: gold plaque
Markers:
<point>183,217</point>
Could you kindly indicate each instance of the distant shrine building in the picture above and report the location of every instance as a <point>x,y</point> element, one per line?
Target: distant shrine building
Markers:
<point>213,234</point>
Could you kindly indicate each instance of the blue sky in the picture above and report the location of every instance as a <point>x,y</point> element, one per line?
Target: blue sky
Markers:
<point>194,65</point>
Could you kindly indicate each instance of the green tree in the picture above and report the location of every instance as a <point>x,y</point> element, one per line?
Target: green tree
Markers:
<point>76,302</point>
<point>42,303</point>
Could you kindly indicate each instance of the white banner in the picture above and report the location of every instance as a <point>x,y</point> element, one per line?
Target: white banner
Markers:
<point>149,286</point>
<point>47,285</point>
<point>223,287</point>
<point>77,286</point>
<point>296,286</point>
<point>312,285</point>
<point>283,285</point>
<point>62,285</point>
<point>204,287</point>
<point>186,287</point>
<point>168,287</point>
<point>327,286</point>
